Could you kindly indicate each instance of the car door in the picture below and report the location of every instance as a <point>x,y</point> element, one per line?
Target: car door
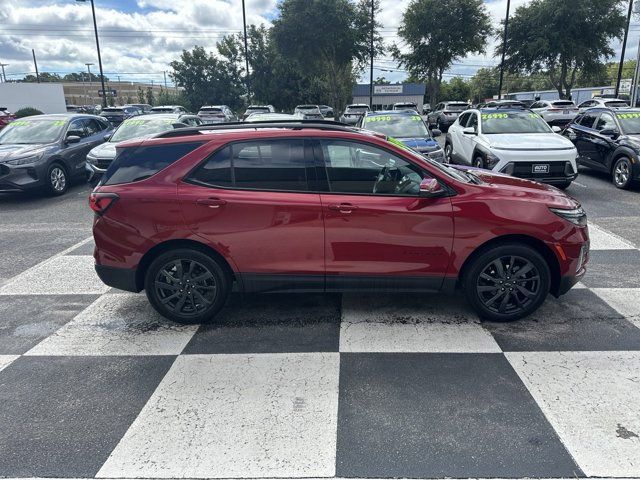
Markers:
<point>254,201</point>
<point>454,134</point>
<point>378,232</point>
<point>75,154</point>
<point>602,145</point>
<point>468,140</point>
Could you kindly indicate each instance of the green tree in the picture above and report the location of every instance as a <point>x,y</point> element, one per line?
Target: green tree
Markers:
<point>381,81</point>
<point>437,33</point>
<point>329,52</point>
<point>44,77</point>
<point>561,39</point>
<point>82,77</point>
<point>484,84</point>
<point>140,94</point>
<point>150,97</point>
<point>455,89</point>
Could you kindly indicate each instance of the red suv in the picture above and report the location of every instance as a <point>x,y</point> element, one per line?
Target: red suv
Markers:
<point>302,207</point>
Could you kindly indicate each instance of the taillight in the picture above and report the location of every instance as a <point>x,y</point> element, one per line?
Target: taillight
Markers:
<point>101,202</point>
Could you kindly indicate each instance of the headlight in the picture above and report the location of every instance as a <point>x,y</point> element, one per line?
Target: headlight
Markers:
<point>577,216</point>
<point>437,155</point>
<point>491,160</point>
<point>23,160</point>
<point>91,159</point>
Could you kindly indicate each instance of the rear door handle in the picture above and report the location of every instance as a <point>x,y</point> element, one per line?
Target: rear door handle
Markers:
<point>342,207</point>
<point>211,202</point>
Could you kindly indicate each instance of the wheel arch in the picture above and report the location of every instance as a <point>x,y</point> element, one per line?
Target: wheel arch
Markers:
<point>620,152</point>
<point>169,245</point>
<point>538,245</point>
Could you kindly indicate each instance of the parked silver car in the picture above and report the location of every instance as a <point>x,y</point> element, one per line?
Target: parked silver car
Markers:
<point>353,113</point>
<point>309,112</point>
<point>603,103</point>
<point>216,114</point>
<point>556,112</point>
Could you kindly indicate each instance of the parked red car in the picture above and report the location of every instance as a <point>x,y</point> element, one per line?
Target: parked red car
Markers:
<point>306,207</point>
<point>5,117</point>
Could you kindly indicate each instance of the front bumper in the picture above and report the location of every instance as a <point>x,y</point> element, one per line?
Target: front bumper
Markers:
<point>120,278</point>
<point>96,170</point>
<point>558,173</point>
<point>21,178</point>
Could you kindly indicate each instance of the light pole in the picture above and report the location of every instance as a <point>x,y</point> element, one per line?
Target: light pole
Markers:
<point>89,70</point>
<point>373,6</point>
<point>624,48</point>
<point>504,49</point>
<point>246,53</point>
<point>95,28</point>
<point>4,75</point>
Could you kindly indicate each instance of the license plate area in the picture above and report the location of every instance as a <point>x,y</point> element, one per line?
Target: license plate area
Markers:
<point>540,168</point>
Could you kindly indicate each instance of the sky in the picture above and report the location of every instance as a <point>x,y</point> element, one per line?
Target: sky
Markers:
<point>139,38</point>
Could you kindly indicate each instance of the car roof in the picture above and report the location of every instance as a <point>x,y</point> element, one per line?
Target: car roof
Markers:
<point>212,106</point>
<point>389,112</point>
<point>65,116</point>
<point>503,109</point>
<point>357,105</point>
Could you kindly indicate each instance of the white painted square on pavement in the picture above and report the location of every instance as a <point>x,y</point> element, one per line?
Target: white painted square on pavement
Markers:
<point>423,323</point>
<point>64,275</point>
<point>5,360</point>
<point>236,416</point>
<point>118,324</point>
<point>592,399</point>
<point>600,239</point>
<point>626,301</point>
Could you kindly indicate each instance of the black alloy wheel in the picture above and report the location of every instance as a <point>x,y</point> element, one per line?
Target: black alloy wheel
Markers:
<point>186,286</point>
<point>507,282</point>
<point>478,162</point>
<point>448,150</point>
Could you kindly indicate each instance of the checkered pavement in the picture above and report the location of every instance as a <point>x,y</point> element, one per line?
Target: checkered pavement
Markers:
<point>93,383</point>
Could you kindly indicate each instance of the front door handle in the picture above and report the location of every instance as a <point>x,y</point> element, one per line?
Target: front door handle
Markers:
<point>212,202</point>
<point>343,207</point>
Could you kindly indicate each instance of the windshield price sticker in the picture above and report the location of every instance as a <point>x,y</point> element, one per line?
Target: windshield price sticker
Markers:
<point>629,115</point>
<point>488,116</point>
<point>416,118</point>
<point>20,123</point>
<point>379,118</point>
<point>59,122</point>
<point>135,122</point>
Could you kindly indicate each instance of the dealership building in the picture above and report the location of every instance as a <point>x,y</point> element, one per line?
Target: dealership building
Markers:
<point>384,96</point>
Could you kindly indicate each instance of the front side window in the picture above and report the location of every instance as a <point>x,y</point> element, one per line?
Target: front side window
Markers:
<point>473,122</point>
<point>261,165</point>
<point>359,168</point>
<point>606,122</point>
<point>76,128</point>
<point>588,119</point>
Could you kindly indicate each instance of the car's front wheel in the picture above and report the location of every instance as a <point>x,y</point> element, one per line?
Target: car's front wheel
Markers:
<point>57,180</point>
<point>622,173</point>
<point>448,150</point>
<point>507,282</point>
<point>186,286</point>
<point>478,161</point>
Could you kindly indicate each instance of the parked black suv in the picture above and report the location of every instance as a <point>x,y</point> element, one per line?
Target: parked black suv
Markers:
<point>117,115</point>
<point>609,141</point>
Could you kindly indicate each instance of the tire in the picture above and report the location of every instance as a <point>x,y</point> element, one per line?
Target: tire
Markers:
<point>622,173</point>
<point>57,180</point>
<point>440,127</point>
<point>448,150</point>
<point>487,295</point>
<point>564,186</point>
<point>478,161</point>
<point>169,285</point>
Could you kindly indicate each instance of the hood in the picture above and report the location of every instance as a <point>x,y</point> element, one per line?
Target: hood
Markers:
<point>104,150</point>
<point>9,151</point>
<point>528,141</point>
<point>519,188</point>
<point>420,144</point>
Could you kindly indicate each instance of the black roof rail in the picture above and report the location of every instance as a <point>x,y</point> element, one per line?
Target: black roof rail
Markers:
<point>291,124</point>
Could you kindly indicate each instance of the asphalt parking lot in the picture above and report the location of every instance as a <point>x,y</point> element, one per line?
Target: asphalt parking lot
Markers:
<point>94,384</point>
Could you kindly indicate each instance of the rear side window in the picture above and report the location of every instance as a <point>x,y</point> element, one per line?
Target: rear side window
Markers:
<point>263,165</point>
<point>137,163</point>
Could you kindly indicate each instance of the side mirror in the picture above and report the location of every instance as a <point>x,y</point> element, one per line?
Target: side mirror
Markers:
<point>609,132</point>
<point>430,188</point>
<point>469,131</point>
<point>435,132</point>
<point>72,139</point>
<point>107,136</point>
<point>556,129</point>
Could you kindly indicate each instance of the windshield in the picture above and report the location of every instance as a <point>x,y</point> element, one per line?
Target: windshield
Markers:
<point>563,103</point>
<point>211,110</point>
<point>399,126</point>
<point>357,110</point>
<point>456,107</point>
<point>629,122</point>
<point>112,110</point>
<point>133,128</point>
<point>32,131</point>
<point>616,104</point>
<point>308,108</point>
<point>257,109</point>
<point>513,122</point>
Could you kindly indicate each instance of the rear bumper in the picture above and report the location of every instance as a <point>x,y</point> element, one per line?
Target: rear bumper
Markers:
<point>120,278</point>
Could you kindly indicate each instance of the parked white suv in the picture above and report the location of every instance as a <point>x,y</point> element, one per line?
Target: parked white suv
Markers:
<point>514,141</point>
<point>556,112</point>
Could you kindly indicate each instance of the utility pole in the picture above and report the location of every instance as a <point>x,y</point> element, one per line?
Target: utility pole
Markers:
<point>95,29</point>
<point>624,48</point>
<point>90,86</point>
<point>246,53</point>
<point>373,7</point>
<point>636,78</point>
<point>36,65</point>
<point>164,72</point>
<point>4,75</point>
<point>504,49</point>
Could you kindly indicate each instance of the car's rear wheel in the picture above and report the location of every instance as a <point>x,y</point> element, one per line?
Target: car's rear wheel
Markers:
<point>622,173</point>
<point>507,282</point>
<point>186,286</point>
<point>57,180</point>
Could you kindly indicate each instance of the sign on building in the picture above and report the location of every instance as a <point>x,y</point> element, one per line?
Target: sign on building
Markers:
<point>387,89</point>
<point>112,92</point>
<point>625,85</point>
